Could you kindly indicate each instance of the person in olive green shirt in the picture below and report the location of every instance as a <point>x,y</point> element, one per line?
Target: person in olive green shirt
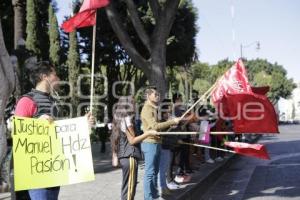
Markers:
<point>151,146</point>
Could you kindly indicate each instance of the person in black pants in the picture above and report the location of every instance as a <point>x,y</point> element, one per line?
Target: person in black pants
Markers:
<point>102,132</point>
<point>184,162</point>
<point>124,144</point>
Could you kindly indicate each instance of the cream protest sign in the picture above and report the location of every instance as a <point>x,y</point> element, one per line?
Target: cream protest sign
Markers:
<point>51,154</point>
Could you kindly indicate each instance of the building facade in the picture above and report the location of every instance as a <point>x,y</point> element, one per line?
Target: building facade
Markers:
<point>289,109</point>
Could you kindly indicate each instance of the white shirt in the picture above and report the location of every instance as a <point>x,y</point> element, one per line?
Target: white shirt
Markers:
<point>125,123</point>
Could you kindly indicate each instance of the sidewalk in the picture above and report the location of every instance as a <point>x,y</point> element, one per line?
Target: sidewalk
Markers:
<point>107,183</point>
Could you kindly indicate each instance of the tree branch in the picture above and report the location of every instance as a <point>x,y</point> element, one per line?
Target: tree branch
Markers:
<point>170,10</point>
<point>124,38</point>
<point>138,24</point>
<point>154,5</point>
<point>164,24</point>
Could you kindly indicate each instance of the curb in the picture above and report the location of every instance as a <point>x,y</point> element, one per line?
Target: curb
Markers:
<point>202,183</point>
<point>200,188</point>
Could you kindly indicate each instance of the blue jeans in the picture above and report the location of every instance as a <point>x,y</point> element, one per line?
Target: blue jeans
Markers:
<point>164,165</point>
<point>44,193</point>
<point>152,156</point>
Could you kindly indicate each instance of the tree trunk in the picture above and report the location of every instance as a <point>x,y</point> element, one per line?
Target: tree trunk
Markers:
<point>19,41</point>
<point>7,84</point>
<point>158,68</point>
<point>154,67</point>
<point>19,17</point>
<point>158,79</point>
<point>111,72</point>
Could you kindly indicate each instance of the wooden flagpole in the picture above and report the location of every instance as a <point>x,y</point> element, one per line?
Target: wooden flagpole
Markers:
<point>93,64</point>
<point>209,147</point>
<point>205,95</point>
<point>195,133</point>
<point>222,133</point>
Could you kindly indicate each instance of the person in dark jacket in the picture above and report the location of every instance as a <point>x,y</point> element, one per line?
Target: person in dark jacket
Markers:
<point>182,175</point>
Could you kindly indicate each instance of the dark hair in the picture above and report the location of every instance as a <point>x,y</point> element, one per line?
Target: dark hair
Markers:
<point>165,104</point>
<point>176,96</point>
<point>41,68</point>
<point>203,112</point>
<point>123,108</point>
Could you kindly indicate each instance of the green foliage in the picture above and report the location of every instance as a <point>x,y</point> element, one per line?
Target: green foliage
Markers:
<point>258,65</point>
<point>37,39</point>
<point>201,85</point>
<point>181,47</point>
<point>54,37</point>
<point>262,79</point>
<point>32,42</point>
<point>262,73</point>
<point>218,70</point>
<point>200,70</point>
<point>181,88</point>
<point>73,56</point>
<point>43,27</point>
<point>173,78</point>
<point>280,86</point>
<point>73,64</point>
<point>180,80</point>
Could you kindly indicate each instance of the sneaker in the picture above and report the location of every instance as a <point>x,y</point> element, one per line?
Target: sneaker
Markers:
<point>210,161</point>
<point>186,178</point>
<point>179,179</point>
<point>219,159</point>
<point>173,185</point>
<point>166,192</point>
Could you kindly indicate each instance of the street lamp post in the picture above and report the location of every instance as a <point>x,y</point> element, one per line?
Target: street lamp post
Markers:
<point>257,43</point>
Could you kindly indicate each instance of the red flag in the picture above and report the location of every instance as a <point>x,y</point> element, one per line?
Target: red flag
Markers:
<point>234,81</point>
<point>254,150</point>
<point>250,113</point>
<point>93,5</point>
<point>86,15</point>
<point>261,90</point>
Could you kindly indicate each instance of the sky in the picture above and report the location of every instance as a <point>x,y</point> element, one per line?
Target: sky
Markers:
<point>274,23</point>
<point>224,25</point>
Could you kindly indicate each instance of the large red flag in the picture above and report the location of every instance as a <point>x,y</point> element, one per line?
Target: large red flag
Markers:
<point>234,81</point>
<point>250,110</point>
<point>250,113</point>
<point>254,150</point>
<point>86,15</point>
